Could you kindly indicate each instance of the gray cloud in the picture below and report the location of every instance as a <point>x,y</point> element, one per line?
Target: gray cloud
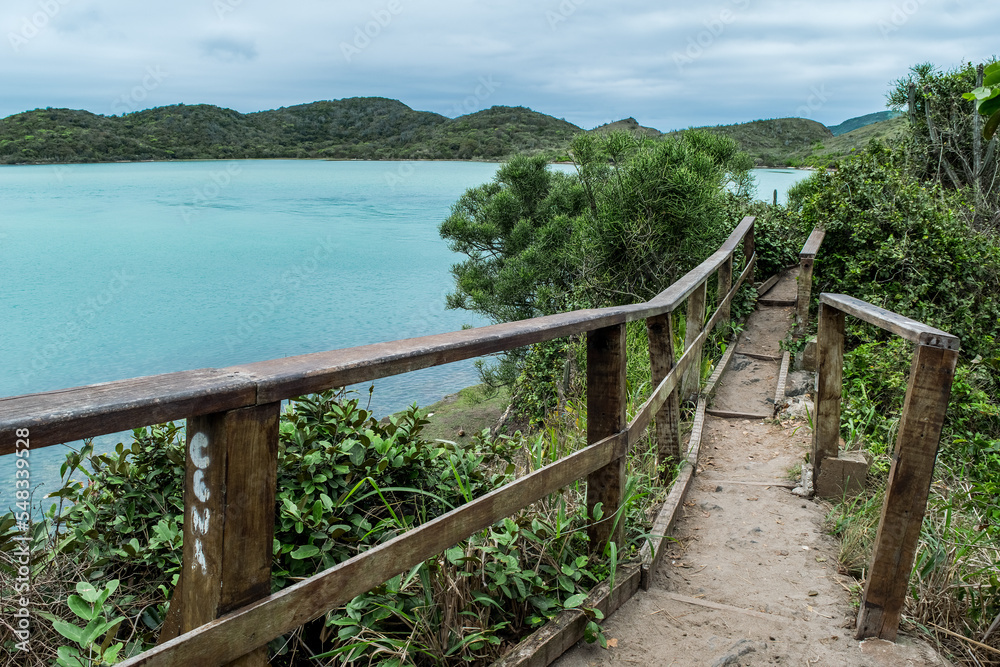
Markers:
<point>670,65</point>
<point>226,49</point>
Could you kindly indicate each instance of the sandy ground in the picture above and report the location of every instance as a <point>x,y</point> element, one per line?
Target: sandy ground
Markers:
<point>752,578</point>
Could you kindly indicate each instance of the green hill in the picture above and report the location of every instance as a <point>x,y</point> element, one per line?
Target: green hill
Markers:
<point>355,128</point>
<point>856,123</point>
<point>628,124</point>
<point>776,142</point>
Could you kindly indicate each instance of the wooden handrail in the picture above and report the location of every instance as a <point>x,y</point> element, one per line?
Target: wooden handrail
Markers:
<point>917,442</point>
<point>232,446</point>
<point>911,330</point>
<point>804,292</point>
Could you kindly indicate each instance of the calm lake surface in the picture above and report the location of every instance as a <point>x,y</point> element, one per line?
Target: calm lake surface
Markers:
<point>114,271</point>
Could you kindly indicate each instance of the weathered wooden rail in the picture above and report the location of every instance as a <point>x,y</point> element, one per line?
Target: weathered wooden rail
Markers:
<point>222,611</point>
<point>912,468</point>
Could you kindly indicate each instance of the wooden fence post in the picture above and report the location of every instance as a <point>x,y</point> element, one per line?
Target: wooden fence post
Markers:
<point>830,357</point>
<point>804,293</point>
<point>605,416</point>
<point>695,324</point>
<point>909,484</point>
<point>229,496</point>
<point>725,284</point>
<point>660,331</point>
<point>749,247</point>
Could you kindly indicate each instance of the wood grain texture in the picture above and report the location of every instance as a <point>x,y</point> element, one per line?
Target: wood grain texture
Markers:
<point>815,240</point>
<point>606,401</point>
<point>82,412</point>
<point>830,366</point>
<point>230,487</point>
<point>725,283</point>
<point>803,295</point>
<point>660,332</point>
<point>912,330</point>
<point>749,250</point>
<point>910,477</point>
<point>251,627</point>
<point>695,324</point>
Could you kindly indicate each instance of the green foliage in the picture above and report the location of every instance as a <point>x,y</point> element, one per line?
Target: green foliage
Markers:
<point>987,99</point>
<point>356,128</point>
<point>639,213</point>
<point>346,482</point>
<point>903,245</point>
<point>90,606</point>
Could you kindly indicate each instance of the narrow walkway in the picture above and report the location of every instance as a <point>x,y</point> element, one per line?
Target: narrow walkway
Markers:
<point>752,576</point>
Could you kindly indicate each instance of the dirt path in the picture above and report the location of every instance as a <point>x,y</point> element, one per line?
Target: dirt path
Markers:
<point>752,577</point>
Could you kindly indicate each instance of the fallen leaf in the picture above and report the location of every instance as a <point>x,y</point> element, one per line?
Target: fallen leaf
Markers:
<point>612,643</point>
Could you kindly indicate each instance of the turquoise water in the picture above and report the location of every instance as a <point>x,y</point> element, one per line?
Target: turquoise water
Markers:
<point>114,271</point>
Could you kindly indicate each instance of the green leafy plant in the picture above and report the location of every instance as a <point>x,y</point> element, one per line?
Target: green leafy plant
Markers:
<point>987,99</point>
<point>95,641</point>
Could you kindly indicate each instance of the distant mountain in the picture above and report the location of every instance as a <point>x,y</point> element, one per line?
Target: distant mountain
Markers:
<point>355,128</point>
<point>861,121</point>
<point>842,146</point>
<point>376,128</point>
<point>776,142</point>
<point>630,125</point>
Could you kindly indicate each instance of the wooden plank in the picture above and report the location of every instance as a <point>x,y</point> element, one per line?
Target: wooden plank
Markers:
<point>72,414</point>
<point>239,632</point>
<point>644,414</point>
<point>910,476</point>
<point>713,382</point>
<point>660,332</point>
<point>779,392</point>
<point>280,379</point>
<point>230,487</point>
<point>749,249</point>
<point>830,366</point>
<point>917,332</point>
<point>804,295</point>
<point>815,240</point>
<point>606,403</point>
<point>725,283</point>
<point>727,414</point>
<point>695,325</point>
<point>767,284</point>
<point>776,303</point>
<point>544,646</point>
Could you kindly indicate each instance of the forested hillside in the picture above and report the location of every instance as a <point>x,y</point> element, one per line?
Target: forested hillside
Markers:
<point>355,128</point>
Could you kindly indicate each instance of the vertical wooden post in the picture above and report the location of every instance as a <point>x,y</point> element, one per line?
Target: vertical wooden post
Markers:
<point>909,484</point>
<point>229,498</point>
<point>830,355</point>
<point>605,416</point>
<point>660,330</point>
<point>804,293</point>
<point>749,248</point>
<point>695,324</point>
<point>725,284</point>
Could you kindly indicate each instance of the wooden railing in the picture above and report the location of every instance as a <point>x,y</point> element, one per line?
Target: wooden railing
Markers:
<point>806,259</point>
<point>222,609</point>
<point>912,469</point>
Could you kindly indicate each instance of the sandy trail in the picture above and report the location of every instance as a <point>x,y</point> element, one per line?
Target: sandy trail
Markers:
<point>752,576</point>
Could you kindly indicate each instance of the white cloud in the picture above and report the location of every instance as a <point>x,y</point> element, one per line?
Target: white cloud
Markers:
<point>585,60</point>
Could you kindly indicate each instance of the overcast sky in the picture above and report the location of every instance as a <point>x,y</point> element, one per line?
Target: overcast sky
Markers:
<point>670,64</point>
